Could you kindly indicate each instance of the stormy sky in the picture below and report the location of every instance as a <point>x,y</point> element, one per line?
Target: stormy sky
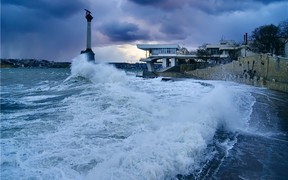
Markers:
<point>56,30</point>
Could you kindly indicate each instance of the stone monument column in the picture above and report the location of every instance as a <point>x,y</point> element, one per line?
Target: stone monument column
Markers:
<point>89,53</point>
<point>89,19</point>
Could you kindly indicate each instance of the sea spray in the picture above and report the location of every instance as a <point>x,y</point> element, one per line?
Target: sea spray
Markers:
<point>96,72</point>
<point>228,108</point>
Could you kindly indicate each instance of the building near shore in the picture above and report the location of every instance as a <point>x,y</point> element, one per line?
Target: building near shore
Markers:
<point>225,49</point>
<point>284,49</point>
<point>172,56</point>
<point>167,54</point>
<point>255,69</point>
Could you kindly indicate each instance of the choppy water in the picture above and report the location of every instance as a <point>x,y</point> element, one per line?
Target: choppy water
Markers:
<point>96,122</point>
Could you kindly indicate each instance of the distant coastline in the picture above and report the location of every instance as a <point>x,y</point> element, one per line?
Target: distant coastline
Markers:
<point>32,63</point>
<point>36,63</point>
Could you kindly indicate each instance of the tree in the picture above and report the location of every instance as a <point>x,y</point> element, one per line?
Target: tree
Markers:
<point>184,50</point>
<point>283,36</point>
<point>283,30</point>
<point>266,39</point>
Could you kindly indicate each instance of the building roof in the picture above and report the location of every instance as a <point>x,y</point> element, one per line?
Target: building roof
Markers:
<point>227,47</point>
<point>157,46</point>
<point>212,46</point>
<point>221,46</point>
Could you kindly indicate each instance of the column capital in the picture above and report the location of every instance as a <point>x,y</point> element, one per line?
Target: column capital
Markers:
<point>88,15</point>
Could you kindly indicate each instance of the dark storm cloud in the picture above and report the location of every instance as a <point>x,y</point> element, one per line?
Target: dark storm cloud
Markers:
<point>211,7</point>
<point>148,2</point>
<point>42,28</point>
<point>53,8</point>
<point>122,31</point>
<point>163,4</point>
<point>23,15</point>
<point>56,29</point>
<point>270,1</point>
<point>207,19</point>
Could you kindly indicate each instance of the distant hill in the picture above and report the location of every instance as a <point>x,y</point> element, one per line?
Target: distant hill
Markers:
<point>35,63</point>
<point>29,63</point>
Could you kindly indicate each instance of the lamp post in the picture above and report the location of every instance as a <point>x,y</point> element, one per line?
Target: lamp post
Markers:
<point>245,42</point>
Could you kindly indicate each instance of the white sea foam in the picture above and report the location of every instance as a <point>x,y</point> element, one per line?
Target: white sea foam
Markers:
<point>97,73</point>
<point>165,127</point>
<point>37,98</point>
<point>172,143</point>
<point>120,127</point>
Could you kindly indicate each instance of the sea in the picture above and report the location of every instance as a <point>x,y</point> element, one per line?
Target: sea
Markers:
<point>96,122</point>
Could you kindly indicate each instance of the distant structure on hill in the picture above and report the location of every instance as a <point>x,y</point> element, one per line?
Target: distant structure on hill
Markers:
<point>88,52</point>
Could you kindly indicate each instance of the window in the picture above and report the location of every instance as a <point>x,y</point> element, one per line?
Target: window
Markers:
<point>214,51</point>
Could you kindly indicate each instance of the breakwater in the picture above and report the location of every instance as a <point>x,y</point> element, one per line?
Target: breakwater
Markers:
<point>259,70</point>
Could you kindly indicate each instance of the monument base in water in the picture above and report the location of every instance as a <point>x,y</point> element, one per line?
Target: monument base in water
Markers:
<point>89,54</point>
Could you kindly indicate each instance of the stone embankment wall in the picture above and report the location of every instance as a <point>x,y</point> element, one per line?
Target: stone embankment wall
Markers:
<point>259,70</point>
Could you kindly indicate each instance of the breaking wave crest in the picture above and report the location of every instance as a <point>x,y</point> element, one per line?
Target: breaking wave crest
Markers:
<point>142,131</point>
<point>173,140</point>
<point>96,73</point>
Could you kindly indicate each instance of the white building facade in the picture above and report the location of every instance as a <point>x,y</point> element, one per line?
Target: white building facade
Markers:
<point>167,53</point>
<point>225,49</point>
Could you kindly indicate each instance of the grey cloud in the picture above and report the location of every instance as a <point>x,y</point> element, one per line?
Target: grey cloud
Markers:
<point>122,31</point>
<point>173,31</point>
